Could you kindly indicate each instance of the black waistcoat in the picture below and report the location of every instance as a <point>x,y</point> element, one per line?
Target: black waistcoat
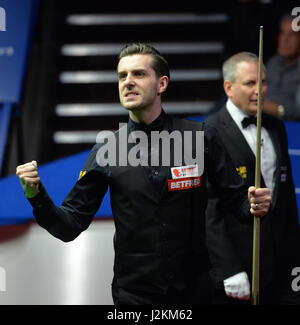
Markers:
<point>157,233</point>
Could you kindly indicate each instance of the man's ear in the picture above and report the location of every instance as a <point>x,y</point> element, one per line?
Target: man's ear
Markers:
<point>163,84</point>
<point>227,85</point>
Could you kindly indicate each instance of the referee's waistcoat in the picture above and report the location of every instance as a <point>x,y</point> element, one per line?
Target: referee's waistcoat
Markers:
<point>157,233</point>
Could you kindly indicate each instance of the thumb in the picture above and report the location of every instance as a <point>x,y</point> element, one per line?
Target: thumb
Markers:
<point>34,163</point>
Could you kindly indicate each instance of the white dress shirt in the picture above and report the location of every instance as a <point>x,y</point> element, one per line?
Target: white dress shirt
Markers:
<point>268,155</point>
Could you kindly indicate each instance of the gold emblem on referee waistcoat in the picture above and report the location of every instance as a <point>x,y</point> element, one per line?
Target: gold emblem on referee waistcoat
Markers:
<point>242,170</point>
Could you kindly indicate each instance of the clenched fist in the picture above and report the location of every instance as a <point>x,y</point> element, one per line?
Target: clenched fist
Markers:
<point>29,178</point>
<point>260,201</point>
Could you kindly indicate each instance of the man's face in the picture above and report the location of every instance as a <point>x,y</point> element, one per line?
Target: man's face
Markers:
<point>139,87</point>
<point>288,41</point>
<point>244,91</point>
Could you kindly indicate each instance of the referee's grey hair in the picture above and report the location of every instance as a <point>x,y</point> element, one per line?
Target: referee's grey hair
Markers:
<point>229,66</point>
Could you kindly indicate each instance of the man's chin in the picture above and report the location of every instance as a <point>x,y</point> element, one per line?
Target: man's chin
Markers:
<point>252,110</point>
<point>131,108</point>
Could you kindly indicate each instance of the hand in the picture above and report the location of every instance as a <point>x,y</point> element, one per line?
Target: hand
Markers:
<point>237,286</point>
<point>270,107</point>
<point>260,200</point>
<point>29,178</point>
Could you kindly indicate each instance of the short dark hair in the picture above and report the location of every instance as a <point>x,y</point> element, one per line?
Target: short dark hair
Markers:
<point>159,63</point>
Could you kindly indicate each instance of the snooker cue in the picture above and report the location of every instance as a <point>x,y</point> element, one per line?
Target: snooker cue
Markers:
<point>256,224</point>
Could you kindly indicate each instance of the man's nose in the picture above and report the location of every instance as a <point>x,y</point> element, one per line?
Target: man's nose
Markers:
<point>129,81</point>
<point>263,89</point>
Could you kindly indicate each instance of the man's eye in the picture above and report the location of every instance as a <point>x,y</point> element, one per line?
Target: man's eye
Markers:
<point>139,73</point>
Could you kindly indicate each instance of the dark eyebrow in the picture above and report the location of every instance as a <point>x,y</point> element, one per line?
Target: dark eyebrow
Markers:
<point>135,70</point>
<point>139,70</point>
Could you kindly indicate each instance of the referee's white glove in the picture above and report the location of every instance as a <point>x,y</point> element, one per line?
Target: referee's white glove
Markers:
<point>238,286</point>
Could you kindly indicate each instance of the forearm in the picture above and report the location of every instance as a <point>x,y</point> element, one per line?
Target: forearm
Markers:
<point>225,183</point>
<point>235,201</point>
<point>76,212</point>
<point>221,249</point>
<point>57,221</point>
<point>282,107</point>
<point>271,108</point>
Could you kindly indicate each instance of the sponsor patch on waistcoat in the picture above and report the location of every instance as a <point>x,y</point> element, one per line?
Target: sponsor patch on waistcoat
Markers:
<point>184,183</point>
<point>185,171</point>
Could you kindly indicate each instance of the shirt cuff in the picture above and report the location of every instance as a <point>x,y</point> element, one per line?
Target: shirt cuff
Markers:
<point>41,200</point>
<point>43,208</point>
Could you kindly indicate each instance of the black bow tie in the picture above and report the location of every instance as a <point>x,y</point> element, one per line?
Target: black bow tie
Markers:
<point>248,120</point>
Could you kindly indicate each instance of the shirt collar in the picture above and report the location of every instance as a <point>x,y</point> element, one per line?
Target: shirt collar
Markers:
<point>159,124</point>
<point>237,114</point>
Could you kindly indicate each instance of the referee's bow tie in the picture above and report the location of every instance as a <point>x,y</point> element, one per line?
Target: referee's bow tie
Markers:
<point>248,120</point>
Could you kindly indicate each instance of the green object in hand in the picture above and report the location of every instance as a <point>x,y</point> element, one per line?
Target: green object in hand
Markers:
<point>30,190</point>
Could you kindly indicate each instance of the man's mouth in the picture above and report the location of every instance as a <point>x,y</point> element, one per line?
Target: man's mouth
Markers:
<point>131,94</point>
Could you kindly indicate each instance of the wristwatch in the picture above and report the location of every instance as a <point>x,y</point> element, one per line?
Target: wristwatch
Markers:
<point>280,110</point>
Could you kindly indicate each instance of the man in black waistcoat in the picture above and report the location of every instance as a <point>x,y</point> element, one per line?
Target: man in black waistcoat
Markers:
<point>158,202</point>
<point>229,240</point>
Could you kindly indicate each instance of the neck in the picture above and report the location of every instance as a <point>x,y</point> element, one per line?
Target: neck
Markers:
<point>290,61</point>
<point>146,116</point>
